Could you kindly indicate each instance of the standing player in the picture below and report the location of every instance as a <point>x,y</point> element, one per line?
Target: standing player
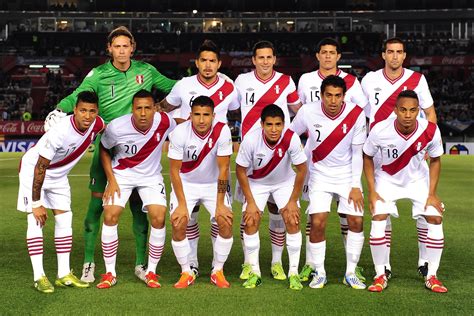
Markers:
<point>44,184</point>
<point>199,155</point>
<point>337,132</point>
<point>328,54</point>
<point>115,82</point>
<point>224,95</point>
<point>381,88</point>
<point>263,170</point>
<point>256,90</point>
<point>136,141</point>
<point>403,142</point>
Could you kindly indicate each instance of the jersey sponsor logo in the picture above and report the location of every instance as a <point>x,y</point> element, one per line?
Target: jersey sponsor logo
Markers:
<point>140,79</point>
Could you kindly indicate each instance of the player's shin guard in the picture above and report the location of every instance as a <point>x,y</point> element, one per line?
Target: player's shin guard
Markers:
<point>355,242</point>
<point>222,248</point>
<point>344,230</point>
<point>91,227</point>
<point>156,244</point>
<point>252,245</point>
<point>63,241</point>
<point>378,246</point>
<point>318,253</point>
<point>422,229</point>
<point>109,247</point>
<point>34,241</point>
<point>277,229</point>
<point>434,247</point>
<point>192,234</point>
<point>181,250</point>
<point>388,239</point>
<point>293,245</point>
<point>140,230</point>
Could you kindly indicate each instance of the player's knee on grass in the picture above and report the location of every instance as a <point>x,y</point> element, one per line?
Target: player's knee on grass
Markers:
<point>435,220</point>
<point>112,214</point>
<point>272,208</point>
<point>356,223</point>
<point>157,215</point>
<point>317,231</point>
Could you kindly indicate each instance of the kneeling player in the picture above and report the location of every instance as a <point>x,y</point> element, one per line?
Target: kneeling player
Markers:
<point>403,143</point>
<point>263,170</point>
<point>199,155</point>
<point>136,141</point>
<point>50,161</point>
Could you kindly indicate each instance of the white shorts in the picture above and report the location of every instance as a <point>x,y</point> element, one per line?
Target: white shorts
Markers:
<point>239,195</point>
<point>320,202</point>
<point>152,194</point>
<point>55,193</point>
<point>417,192</point>
<point>279,195</point>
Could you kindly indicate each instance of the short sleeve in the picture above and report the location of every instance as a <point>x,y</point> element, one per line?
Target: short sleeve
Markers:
<point>435,147</point>
<point>370,145</point>
<point>298,124</point>
<point>52,144</point>
<point>176,147</point>
<point>173,97</point>
<point>292,97</point>
<point>357,96</point>
<point>244,156</point>
<point>224,143</point>
<point>360,130</point>
<point>296,151</point>
<point>424,94</point>
<point>234,101</point>
<point>108,139</point>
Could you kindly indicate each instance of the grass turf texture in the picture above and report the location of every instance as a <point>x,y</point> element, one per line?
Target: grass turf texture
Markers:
<point>405,294</point>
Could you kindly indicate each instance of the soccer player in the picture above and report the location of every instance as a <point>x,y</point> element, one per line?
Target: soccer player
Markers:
<point>136,141</point>
<point>263,168</point>
<point>381,88</point>
<point>44,184</point>
<point>403,142</point>
<point>328,54</point>
<point>337,131</point>
<point>115,82</point>
<point>199,156</point>
<point>224,95</point>
<point>257,89</point>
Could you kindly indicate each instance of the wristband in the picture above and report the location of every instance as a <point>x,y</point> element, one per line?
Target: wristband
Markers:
<point>36,204</point>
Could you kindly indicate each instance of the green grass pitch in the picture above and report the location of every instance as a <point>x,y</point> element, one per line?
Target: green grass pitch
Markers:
<point>405,294</point>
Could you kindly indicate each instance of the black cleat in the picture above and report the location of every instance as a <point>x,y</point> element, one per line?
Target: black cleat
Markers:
<point>423,270</point>
<point>195,270</point>
<point>388,273</point>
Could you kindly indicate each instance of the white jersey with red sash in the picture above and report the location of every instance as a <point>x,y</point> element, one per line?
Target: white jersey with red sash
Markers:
<point>270,165</point>
<point>199,153</point>
<point>222,92</point>
<point>330,141</point>
<point>309,88</point>
<point>255,94</point>
<point>403,156</point>
<point>136,153</point>
<point>63,145</point>
<point>382,92</point>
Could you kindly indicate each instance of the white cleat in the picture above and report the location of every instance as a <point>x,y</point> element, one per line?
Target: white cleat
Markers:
<point>140,272</point>
<point>353,281</point>
<point>88,272</point>
<point>318,281</point>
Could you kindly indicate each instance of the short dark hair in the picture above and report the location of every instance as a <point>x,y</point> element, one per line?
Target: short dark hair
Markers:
<point>407,94</point>
<point>87,97</point>
<point>209,46</point>
<point>262,44</point>
<point>393,40</point>
<point>334,81</point>
<point>120,31</point>
<point>272,110</point>
<point>203,100</point>
<point>142,94</point>
<point>329,41</point>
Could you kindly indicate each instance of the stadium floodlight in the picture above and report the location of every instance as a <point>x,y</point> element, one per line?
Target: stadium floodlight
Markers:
<point>290,22</point>
<point>53,66</point>
<point>344,66</point>
<point>195,11</point>
<point>36,66</point>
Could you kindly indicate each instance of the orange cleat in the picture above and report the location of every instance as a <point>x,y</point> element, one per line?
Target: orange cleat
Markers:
<point>151,280</point>
<point>186,279</point>
<point>435,285</point>
<point>107,281</point>
<point>218,279</point>
<point>380,283</point>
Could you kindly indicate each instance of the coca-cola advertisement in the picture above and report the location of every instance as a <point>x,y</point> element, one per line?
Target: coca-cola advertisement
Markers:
<point>21,128</point>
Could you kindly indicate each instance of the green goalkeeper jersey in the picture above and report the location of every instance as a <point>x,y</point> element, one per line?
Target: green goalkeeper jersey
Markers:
<point>115,88</point>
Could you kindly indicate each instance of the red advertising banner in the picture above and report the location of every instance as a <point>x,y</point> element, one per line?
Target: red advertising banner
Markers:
<point>21,128</point>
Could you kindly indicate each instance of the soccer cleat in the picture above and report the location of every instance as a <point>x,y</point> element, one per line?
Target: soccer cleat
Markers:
<point>278,272</point>
<point>423,270</point>
<point>306,272</point>
<point>151,280</point>
<point>354,281</point>
<point>358,273</point>
<point>380,283</point>
<point>140,271</point>
<point>318,281</point>
<point>195,270</point>
<point>295,282</point>
<point>218,279</point>
<point>107,281</point>
<point>246,270</point>
<point>253,281</point>
<point>186,279</point>
<point>43,285</point>
<point>388,273</point>
<point>435,285</point>
<point>88,272</point>
<point>71,280</point>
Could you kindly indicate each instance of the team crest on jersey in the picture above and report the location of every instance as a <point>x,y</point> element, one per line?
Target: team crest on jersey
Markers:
<point>405,88</point>
<point>418,146</point>
<point>92,136</point>
<point>158,137</point>
<point>280,152</point>
<point>25,200</point>
<point>344,128</point>
<point>277,89</point>
<point>221,95</point>
<point>209,142</point>
<point>139,79</point>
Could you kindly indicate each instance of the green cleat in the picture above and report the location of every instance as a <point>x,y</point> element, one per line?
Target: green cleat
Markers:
<point>359,275</point>
<point>295,283</point>
<point>246,270</point>
<point>306,273</point>
<point>70,280</point>
<point>278,272</point>
<point>43,285</point>
<point>253,281</point>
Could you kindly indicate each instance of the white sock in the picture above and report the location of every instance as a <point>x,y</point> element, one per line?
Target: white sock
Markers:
<point>192,234</point>
<point>344,229</point>
<point>434,247</point>
<point>309,259</point>
<point>276,226</point>
<point>293,246</point>
<point>109,247</point>
<point>242,225</point>
<point>214,234</point>
<point>388,239</point>
<point>422,229</point>
<point>252,244</point>
<point>156,244</point>
<point>222,248</point>
<point>181,250</point>
<point>63,241</point>
<point>34,241</point>
<point>355,242</point>
<point>318,252</point>
<point>378,246</point>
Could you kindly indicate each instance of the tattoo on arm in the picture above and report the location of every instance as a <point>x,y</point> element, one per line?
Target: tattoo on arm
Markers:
<point>222,186</point>
<point>38,178</point>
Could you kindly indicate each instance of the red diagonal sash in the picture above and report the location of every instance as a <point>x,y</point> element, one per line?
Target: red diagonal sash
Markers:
<point>212,140</point>
<point>149,146</point>
<point>268,98</point>
<point>278,153</point>
<point>222,93</point>
<point>96,129</point>
<point>403,160</point>
<point>349,80</point>
<point>387,107</point>
<point>331,141</point>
